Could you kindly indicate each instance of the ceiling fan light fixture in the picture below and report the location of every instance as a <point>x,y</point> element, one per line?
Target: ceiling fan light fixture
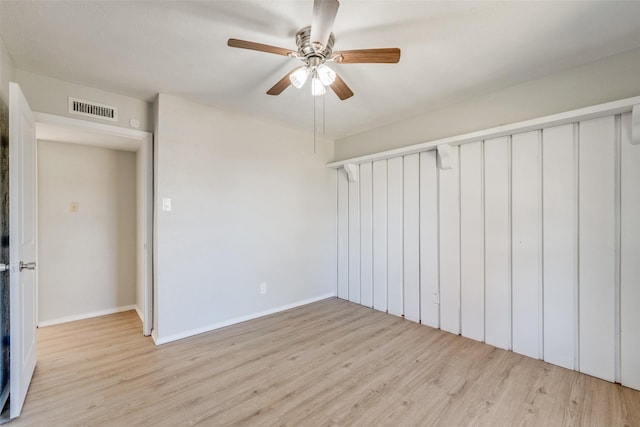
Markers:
<point>326,75</point>
<point>299,77</point>
<point>317,88</point>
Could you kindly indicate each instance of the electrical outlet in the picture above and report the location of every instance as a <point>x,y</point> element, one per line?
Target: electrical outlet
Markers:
<point>263,288</point>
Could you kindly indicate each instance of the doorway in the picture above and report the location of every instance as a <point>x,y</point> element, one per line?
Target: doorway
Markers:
<point>116,205</point>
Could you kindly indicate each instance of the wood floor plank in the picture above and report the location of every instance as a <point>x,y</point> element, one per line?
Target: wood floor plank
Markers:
<point>327,363</point>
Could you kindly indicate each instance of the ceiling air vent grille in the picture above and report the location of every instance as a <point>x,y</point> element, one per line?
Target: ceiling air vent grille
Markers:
<point>92,109</point>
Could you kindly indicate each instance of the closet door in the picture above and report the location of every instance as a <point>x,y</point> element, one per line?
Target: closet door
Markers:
<point>497,226</point>
<point>450,246</point>
<point>597,247</point>
<point>526,222</point>
<point>630,252</point>
<point>366,235</point>
<point>472,241</point>
<point>379,204</point>
<point>394,237</point>
<point>343,234</point>
<point>429,286</point>
<point>560,242</point>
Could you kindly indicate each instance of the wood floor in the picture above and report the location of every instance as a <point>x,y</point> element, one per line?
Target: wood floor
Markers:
<point>328,363</point>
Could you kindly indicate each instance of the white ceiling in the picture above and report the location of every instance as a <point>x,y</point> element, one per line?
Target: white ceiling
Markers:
<point>451,50</point>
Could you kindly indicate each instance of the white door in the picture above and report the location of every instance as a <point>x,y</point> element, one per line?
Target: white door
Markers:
<point>22,246</point>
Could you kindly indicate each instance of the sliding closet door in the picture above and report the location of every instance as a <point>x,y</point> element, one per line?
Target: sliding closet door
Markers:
<point>450,246</point>
<point>429,256</point>
<point>395,263</point>
<point>497,226</point>
<point>472,241</point>
<point>525,243</point>
<point>630,253</point>
<point>597,247</point>
<point>379,204</point>
<point>354,240</point>
<point>560,245</point>
<point>411,239</point>
<point>343,235</point>
<point>366,235</point>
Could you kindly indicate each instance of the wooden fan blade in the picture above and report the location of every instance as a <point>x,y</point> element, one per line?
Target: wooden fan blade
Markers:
<point>372,56</point>
<point>284,83</point>
<point>341,89</point>
<point>324,14</point>
<point>243,44</point>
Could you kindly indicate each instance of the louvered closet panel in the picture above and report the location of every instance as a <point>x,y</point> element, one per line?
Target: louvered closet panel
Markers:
<point>526,229</point>
<point>630,257</point>
<point>354,241</point>
<point>395,262</point>
<point>411,225</point>
<point>343,235</point>
<point>597,247</point>
<point>366,235</point>
<point>560,240</point>
<point>379,204</point>
<point>471,241</point>
<point>497,230</point>
<point>429,287</point>
<point>449,215</point>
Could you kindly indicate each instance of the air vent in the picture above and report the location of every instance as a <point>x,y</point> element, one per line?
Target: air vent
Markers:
<point>81,107</point>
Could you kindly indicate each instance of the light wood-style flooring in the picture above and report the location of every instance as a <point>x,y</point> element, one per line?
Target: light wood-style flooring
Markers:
<point>327,363</point>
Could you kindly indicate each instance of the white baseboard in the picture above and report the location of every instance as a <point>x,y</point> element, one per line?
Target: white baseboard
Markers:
<point>86,315</point>
<point>139,312</point>
<point>208,328</point>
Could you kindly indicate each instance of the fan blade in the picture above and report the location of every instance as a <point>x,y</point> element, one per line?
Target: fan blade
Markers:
<point>341,89</point>
<point>372,56</point>
<point>324,14</point>
<point>243,44</point>
<point>284,83</point>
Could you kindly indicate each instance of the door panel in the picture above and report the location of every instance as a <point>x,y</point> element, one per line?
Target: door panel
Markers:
<point>22,244</point>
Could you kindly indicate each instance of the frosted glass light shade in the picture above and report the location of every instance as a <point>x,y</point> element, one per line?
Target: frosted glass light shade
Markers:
<point>317,88</point>
<point>326,75</point>
<point>299,77</point>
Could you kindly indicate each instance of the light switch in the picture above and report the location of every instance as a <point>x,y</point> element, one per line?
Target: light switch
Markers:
<point>74,207</point>
<point>166,204</point>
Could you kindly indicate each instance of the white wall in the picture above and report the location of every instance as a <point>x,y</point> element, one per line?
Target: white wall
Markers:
<point>7,71</point>
<point>49,95</point>
<point>87,259</point>
<point>528,243</point>
<point>608,79</point>
<point>251,203</point>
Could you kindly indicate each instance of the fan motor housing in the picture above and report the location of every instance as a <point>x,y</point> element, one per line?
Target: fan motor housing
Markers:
<point>306,50</point>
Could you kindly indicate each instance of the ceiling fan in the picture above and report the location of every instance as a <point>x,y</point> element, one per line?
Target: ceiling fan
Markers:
<point>315,49</point>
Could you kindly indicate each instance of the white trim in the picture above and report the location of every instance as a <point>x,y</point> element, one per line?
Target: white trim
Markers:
<point>143,143</point>
<point>208,328</point>
<point>89,315</point>
<point>139,312</point>
<point>601,110</point>
<point>635,124</point>
<point>106,129</point>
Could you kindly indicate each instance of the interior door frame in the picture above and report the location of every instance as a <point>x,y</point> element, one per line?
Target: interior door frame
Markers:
<point>142,145</point>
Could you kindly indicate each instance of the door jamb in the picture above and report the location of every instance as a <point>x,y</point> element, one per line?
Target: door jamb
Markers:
<point>144,199</point>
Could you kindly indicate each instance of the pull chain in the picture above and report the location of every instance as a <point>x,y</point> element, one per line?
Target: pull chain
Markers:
<point>314,124</point>
<point>323,116</point>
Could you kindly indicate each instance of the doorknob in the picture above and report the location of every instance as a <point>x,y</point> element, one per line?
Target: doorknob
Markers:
<point>27,265</point>
<point>4,267</point>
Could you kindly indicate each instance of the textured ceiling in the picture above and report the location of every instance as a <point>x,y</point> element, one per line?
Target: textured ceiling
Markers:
<point>451,50</point>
